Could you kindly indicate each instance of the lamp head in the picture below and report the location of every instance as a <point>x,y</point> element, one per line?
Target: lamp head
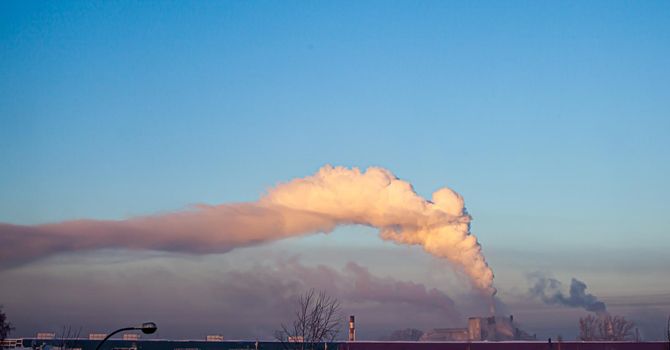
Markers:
<point>148,327</point>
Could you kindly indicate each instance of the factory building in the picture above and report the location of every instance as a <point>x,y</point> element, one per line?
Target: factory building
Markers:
<point>446,334</point>
<point>480,329</point>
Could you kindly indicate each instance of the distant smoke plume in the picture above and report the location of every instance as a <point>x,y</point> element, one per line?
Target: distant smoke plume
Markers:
<point>260,296</point>
<point>549,290</point>
<point>355,284</point>
<point>318,203</point>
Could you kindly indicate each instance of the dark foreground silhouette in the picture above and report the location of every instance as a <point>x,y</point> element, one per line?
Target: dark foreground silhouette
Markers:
<point>85,344</point>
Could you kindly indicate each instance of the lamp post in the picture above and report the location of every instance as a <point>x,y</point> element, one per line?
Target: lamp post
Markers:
<point>146,328</point>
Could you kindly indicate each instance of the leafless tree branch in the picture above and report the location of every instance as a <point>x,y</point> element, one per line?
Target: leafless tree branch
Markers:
<point>605,327</point>
<point>66,336</point>
<point>316,320</point>
<point>5,326</point>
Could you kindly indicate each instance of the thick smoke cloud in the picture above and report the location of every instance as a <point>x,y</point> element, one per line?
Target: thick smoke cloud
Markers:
<point>318,203</point>
<point>549,290</point>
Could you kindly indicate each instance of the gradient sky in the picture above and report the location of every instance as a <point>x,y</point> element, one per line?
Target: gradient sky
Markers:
<point>551,119</point>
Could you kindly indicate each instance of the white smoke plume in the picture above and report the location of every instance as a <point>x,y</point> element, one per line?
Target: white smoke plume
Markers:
<point>317,203</point>
<point>549,290</point>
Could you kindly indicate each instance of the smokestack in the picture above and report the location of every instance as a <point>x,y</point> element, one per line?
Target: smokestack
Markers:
<point>352,328</point>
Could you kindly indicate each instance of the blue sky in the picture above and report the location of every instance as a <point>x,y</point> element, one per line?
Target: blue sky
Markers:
<point>551,119</point>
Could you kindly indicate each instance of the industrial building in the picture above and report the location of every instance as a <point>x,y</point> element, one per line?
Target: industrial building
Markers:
<point>480,329</point>
<point>118,344</point>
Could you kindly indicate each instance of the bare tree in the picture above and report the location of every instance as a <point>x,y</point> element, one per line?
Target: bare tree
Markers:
<point>5,327</point>
<point>605,327</point>
<point>587,328</point>
<point>66,338</point>
<point>615,328</point>
<point>317,320</point>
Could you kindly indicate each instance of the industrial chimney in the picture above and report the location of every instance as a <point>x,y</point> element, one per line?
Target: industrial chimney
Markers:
<point>352,329</point>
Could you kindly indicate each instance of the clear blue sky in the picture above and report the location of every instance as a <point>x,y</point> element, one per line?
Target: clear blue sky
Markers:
<point>552,119</point>
<point>543,110</point>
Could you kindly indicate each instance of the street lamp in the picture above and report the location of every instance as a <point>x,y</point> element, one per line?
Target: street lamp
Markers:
<point>146,328</point>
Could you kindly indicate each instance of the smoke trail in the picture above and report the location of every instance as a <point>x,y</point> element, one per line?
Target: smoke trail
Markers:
<point>318,203</point>
<point>549,290</point>
<point>355,284</point>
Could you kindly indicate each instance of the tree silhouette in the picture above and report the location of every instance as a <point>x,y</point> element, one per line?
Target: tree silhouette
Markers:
<point>5,327</point>
<point>67,336</point>
<point>605,327</point>
<point>317,320</point>
<point>587,328</point>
